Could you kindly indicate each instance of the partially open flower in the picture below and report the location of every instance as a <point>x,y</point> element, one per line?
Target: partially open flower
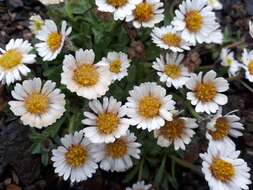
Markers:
<point>36,23</point>
<point>206,92</point>
<point>247,59</point>
<point>13,60</point>
<point>116,156</point>
<point>215,4</point>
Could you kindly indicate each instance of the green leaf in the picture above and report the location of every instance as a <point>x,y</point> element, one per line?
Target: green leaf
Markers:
<point>160,172</point>
<point>44,159</point>
<point>131,174</point>
<point>36,148</point>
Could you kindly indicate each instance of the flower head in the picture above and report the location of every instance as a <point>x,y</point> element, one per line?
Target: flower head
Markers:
<point>215,4</point>
<point>13,60</point>
<point>206,92</point>
<point>36,23</point>
<point>223,169</point>
<point>38,105</point>
<point>171,70</point>
<point>228,60</point>
<point>116,156</point>
<point>75,158</point>
<point>149,106</point>
<point>51,2</point>
<point>52,39</point>
<point>247,59</point>
<point>83,76</point>
<point>140,185</point>
<point>106,122</point>
<point>146,13</point>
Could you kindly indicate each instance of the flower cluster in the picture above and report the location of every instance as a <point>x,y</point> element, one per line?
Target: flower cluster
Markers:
<point>105,140</point>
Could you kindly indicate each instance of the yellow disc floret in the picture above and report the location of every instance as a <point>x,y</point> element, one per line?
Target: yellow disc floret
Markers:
<point>172,40</point>
<point>222,170</point>
<point>221,129</point>
<point>86,75</point>
<point>37,103</point>
<point>115,66</point>
<point>117,3</point>
<point>194,21</point>
<point>10,59</point>
<point>54,41</point>
<point>76,156</point>
<point>149,106</point>
<point>107,123</point>
<point>117,149</point>
<point>173,129</point>
<point>250,67</point>
<point>205,92</point>
<point>172,70</point>
<point>144,12</point>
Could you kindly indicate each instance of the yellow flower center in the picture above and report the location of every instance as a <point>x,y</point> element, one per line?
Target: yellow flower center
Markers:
<point>222,170</point>
<point>107,123</point>
<point>37,103</point>
<point>115,66</point>
<point>54,41</point>
<point>76,156</point>
<point>194,21</point>
<point>144,12</point>
<point>117,149</point>
<point>205,92</point>
<point>172,40</point>
<point>173,129</point>
<point>86,75</point>
<point>10,59</point>
<point>172,70</point>
<point>229,61</point>
<point>250,67</point>
<point>149,106</point>
<point>117,3</point>
<point>38,25</point>
<point>221,129</point>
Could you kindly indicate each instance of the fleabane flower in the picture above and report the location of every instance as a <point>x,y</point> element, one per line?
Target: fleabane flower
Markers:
<point>223,169</point>
<point>83,76</point>
<point>177,132</point>
<point>106,122</point>
<point>228,60</point>
<point>74,159</point>
<point>39,105</point>
<point>221,127</point>
<point>167,37</point>
<point>146,13</point>
<point>215,4</point>
<point>119,8</point>
<point>171,70</point>
<point>117,156</point>
<point>52,39</point>
<point>247,60</point>
<point>197,22</point>
<point>13,60</point>
<point>140,185</point>
<point>149,106</point>
<point>117,63</point>
<point>206,93</point>
<point>35,23</point>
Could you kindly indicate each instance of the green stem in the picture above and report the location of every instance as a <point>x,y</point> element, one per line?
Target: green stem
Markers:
<point>246,86</point>
<point>193,112</point>
<point>141,170</point>
<point>72,124</point>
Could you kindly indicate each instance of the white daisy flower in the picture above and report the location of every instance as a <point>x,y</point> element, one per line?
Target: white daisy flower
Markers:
<point>167,37</point>
<point>75,158</point>
<point>197,22</point>
<point>147,13</point>
<point>215,4</point>
<point>116,156</point>
<point>38,105</point>
<point>247,59</point>
<point>119,8</point>
<point>35,23</point>
<point>117,63</point>
<point>223,169</point>
<point>171,70</point>
<point>107,121</point>
<point>228,60</point>
<point>178,131</point>
<point>149,106</point>
<point>51,2</point>
<point>140,185</point>
<point>206,92</point>
<point>52,39</point>
<point>82,76</point>
<point>251,28</point>
<point>13,60</point>
<point>221,127</point>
